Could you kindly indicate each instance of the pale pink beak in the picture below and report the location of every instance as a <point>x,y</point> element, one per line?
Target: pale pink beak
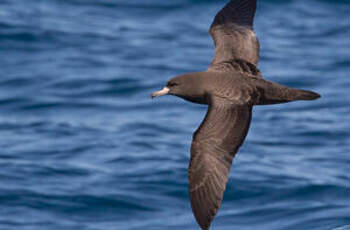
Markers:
<point>162,92</point>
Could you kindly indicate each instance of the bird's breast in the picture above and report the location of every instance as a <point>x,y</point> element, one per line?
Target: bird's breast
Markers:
<point>198,100</point>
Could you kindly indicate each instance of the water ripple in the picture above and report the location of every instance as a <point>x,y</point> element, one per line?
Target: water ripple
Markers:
<point>84,147</point>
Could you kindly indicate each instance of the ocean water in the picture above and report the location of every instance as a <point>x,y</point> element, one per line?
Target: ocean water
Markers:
<point>84,147</point>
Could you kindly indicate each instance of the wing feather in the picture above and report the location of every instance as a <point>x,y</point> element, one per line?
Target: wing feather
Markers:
<point>233,35</point>
<point>214,146</point>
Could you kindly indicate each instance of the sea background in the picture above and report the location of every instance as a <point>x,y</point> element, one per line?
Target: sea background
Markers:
<point>82,145</point>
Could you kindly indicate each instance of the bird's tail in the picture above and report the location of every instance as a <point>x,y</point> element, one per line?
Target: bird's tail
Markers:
<point>305,95</point>
<point>272,93</point>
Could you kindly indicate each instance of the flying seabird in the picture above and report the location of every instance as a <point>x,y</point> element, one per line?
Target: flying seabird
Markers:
<point>230,87</point>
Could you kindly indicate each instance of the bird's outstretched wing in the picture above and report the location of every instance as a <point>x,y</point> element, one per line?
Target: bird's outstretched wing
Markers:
<point>214,145</point>
<point>233,35</point>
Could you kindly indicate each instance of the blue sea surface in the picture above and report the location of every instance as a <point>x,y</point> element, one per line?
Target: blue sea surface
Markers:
<point>83,147</point>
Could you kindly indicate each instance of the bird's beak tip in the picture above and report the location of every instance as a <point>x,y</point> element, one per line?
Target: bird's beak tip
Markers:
<point>159,93</point>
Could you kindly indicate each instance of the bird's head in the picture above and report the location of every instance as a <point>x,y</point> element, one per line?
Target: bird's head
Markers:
<point>186,86</point>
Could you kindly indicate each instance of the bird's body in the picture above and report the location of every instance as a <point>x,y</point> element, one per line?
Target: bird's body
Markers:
<point>230,87</point>
<point>236,87</point>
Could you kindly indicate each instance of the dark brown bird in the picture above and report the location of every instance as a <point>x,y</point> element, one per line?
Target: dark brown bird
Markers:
<point>231,87</point>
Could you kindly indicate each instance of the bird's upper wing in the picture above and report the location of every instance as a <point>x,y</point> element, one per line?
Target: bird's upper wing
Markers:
<point>214,145</point>
<point>233,35</point>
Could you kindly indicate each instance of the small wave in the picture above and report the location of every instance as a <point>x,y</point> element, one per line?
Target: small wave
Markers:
<point>346,227</point>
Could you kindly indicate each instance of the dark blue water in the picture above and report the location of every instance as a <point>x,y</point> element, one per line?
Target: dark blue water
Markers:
<point>84,147</point>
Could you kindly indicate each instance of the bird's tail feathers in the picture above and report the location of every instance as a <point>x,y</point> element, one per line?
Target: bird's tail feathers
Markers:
<point>305,95</point>
<point>272,93</point>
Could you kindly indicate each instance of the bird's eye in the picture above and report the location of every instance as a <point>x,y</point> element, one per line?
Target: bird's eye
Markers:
<point>171,84</point>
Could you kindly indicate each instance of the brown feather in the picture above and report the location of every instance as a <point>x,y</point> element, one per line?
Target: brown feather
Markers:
<point>214,145</point>
<point>233,35</point>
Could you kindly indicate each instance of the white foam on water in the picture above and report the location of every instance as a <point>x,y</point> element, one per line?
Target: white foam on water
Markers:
<point>346,227</point>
